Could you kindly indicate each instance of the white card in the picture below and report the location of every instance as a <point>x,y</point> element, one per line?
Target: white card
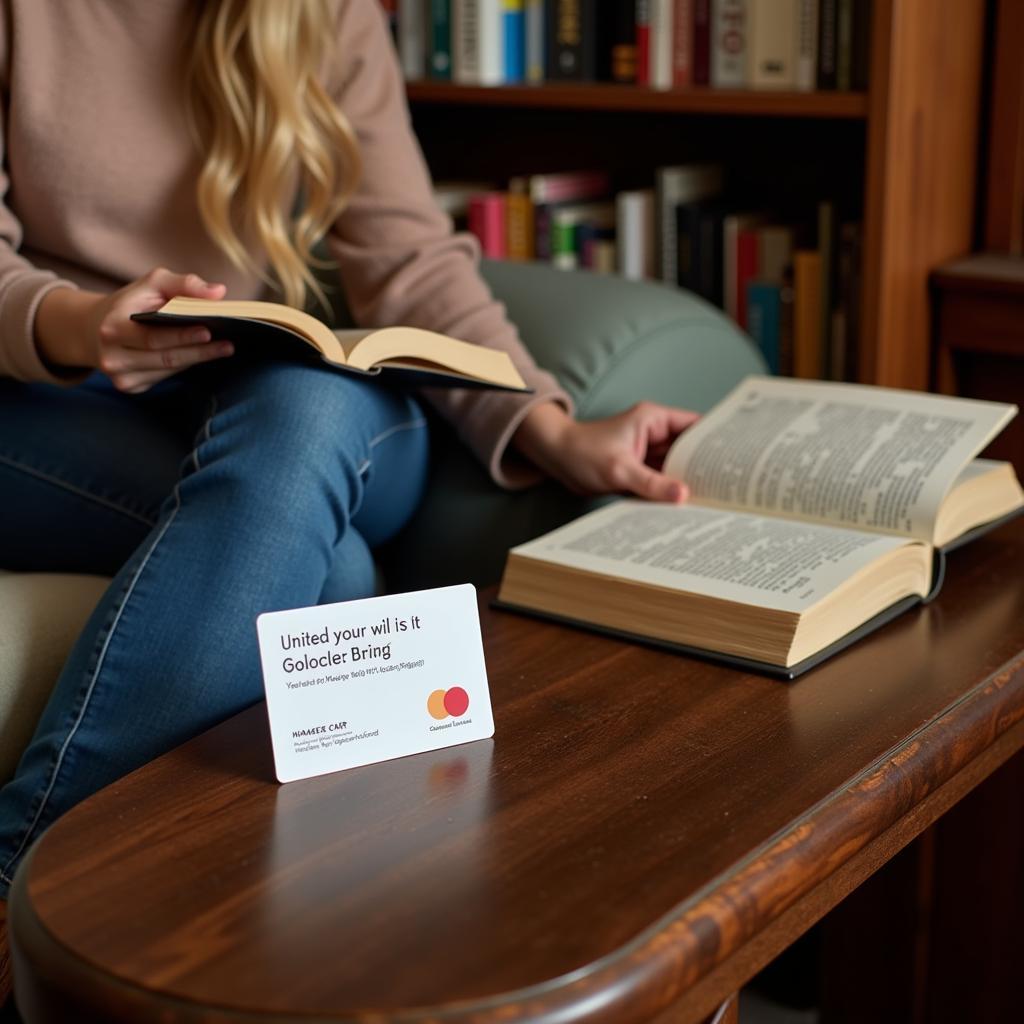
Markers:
<point>357,682</point>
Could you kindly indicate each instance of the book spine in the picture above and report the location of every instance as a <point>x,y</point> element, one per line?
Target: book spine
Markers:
<point>535,17</point>
<point>513,32</point>
<point>708,253</point>
<point>563,245</point>
<point>477,42</point>
<point>807,315</point>
<point>605,257</point>
<point>572,185</point>
<point>702,42</point>
<point>807,45</point>
<point>661,44</point>
<point>682,44</point>
<point>519,224</point>
<point>635,234</point>
<point>827,265</point>
<point>623,43</point>
<point>861,43</point>
<point>844,46</point>
<point>746,271</point>
<point>412,39</point>
<point>572,32</point>
<point>542,230</point>
<point>643,42</point>
<point>763,307</point>
<point>487,222</point>
<point>441,39</point>
<point>773,44</point>
<point>729,35</point>
<point>827,19</point>
<point>687,228</point>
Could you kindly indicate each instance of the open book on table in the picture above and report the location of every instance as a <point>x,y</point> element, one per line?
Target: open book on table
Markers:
<point>408,355</point>
<point>818,512</point>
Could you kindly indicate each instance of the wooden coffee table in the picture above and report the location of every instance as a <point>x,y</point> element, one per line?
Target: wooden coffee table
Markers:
<point>644,832</point>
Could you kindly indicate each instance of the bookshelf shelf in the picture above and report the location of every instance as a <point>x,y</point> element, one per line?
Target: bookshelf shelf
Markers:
<point>599,96</point>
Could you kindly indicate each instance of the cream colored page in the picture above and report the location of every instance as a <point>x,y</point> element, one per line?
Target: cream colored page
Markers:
<point>755,560</point>
<point>872,458</point>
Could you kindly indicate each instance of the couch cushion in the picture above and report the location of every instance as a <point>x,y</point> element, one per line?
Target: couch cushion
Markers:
<point>41,614</point>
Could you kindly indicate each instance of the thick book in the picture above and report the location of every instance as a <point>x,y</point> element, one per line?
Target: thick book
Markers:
<point>729,41</point>
<point>477,57</point>
<point>441,39</point>
<point>408,355</point>
<point>818,511</point>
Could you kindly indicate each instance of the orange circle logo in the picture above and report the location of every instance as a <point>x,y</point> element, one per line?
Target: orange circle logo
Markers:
<point>442,703</point>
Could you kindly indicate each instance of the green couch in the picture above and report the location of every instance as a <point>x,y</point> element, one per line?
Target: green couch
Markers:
<point>611,342</point>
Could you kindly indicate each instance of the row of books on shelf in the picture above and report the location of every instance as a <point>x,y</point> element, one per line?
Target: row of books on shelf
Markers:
<point>665,44</point>
<point>793,283</point>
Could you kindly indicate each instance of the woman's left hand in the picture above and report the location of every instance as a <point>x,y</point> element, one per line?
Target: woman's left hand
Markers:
<point>619,454</point>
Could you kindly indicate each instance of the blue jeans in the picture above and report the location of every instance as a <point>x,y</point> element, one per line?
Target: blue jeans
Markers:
<point>226,492</point>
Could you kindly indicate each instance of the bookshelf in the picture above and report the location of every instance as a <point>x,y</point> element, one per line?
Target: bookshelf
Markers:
<point>904,154</point>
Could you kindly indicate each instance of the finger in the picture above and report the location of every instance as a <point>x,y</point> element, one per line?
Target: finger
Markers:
<point>169,360</point>
<point>170,284</point>
<point>639,479</point>
<point>156,339</point>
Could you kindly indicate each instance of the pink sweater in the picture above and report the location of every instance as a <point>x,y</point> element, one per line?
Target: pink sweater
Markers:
<point>98,187</point>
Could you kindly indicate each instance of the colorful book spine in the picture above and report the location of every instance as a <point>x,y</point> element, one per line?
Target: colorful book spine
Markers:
<point>519,226</point>
<point>746,271</point>
<point>729,35</point>
<point>535,32</point>
<point>661,43</point>
<point>673,186</point>
<point>487,222</point>
<point>764,310</point>
<point>568,186</point>
<point>643,42</point>
<point>513,31</point>
<point>476,42</point>
<point>807,45</point>
<point>701,42</point>
<point>771,60</point>
<point>441,39</point>
<point>682,44</point>
<point>827,231</point>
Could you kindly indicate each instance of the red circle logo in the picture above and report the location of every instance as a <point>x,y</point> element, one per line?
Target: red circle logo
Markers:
<point>442,703</point>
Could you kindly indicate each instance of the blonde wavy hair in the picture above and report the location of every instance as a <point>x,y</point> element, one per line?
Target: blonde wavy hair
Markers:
<point>264,124</point>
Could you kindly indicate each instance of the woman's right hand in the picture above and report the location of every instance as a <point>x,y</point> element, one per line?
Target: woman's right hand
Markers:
<point>87,329</point>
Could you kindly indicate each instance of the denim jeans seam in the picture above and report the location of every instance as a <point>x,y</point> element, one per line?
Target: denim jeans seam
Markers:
<point>81,492</point>
<point>206,433</point>
<point>384,435</point>
<point>58,764</point>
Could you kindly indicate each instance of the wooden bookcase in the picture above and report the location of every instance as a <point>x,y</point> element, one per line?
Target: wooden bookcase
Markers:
<point>903,155</point>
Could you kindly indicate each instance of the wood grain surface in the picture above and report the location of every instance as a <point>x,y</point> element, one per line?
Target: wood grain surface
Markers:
<point>639,825</point>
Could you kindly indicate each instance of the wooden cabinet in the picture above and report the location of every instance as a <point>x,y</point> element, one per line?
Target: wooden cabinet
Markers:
<point>901,157</point>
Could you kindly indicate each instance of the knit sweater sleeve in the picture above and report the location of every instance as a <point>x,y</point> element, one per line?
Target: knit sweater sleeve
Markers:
<point>398,258</point>
<point>22,286</point>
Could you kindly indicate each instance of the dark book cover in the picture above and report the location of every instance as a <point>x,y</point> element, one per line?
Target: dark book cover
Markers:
<point>828,15</point>
<point>440,40</point>
<point>861,43</point>
<point>702,42</point>
<point>572,40</point>
<point>622,51</point>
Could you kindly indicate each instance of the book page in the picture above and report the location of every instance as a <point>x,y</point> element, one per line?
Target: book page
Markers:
<point>873,458</point>
<point>750,559</point>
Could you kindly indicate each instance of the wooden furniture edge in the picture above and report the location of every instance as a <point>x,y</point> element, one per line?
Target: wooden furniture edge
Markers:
<point>610,97</point>
<point>693,954</point>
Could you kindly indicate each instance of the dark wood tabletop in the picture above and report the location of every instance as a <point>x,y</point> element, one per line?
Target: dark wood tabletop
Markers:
<point>643,833</point>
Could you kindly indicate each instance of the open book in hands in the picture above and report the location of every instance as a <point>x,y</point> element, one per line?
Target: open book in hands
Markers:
<point>417,357</point>
<point>818,512</point>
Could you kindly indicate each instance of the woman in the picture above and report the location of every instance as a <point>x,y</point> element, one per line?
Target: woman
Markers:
<point>180,133</point>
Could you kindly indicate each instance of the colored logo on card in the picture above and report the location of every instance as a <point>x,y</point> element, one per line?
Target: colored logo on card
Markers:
<point>442,703</point>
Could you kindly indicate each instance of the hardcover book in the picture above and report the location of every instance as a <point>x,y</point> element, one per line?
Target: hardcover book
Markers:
<point>408,355</point>
<point>818,512</point>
